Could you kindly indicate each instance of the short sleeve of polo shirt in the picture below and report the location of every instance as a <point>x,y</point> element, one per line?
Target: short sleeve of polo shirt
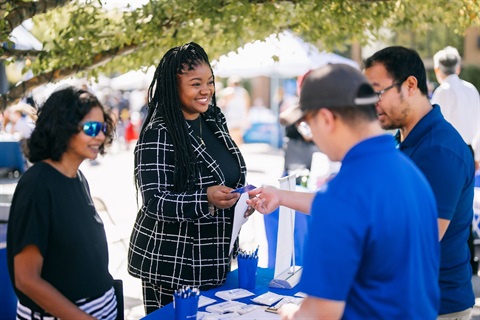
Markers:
<point>333,252</point>
<point>445,171</point>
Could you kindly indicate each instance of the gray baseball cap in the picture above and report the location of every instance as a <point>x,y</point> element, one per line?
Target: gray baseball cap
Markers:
<point>332,86</point>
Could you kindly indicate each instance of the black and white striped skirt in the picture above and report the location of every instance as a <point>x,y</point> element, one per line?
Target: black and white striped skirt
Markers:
<point>103,307</point>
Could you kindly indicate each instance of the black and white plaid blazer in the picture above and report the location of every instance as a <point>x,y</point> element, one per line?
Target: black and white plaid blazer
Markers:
<point>175,240</point>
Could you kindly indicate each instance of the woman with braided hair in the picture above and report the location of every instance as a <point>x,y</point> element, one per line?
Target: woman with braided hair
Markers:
<point>186,165</point>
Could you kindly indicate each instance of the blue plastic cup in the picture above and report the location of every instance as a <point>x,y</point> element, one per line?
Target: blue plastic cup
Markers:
<point>185,308</point>
<point>247,272</point>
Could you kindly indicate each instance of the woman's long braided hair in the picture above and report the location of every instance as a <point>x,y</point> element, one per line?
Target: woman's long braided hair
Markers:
<point>164,101</point>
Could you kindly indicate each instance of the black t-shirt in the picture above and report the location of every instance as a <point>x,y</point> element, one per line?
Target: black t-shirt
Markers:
<point>218,150</point>
<point>56,214</point>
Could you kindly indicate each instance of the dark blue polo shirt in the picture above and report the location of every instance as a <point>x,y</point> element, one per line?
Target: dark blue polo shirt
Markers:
<point>445,160</point>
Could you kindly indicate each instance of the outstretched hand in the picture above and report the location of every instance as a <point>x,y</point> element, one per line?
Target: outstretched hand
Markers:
<point>264,199</point>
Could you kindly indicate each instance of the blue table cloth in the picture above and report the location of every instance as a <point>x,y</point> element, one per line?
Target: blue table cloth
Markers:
<point>264,276</point>
<point>11,156</point>
<point>8,299</point>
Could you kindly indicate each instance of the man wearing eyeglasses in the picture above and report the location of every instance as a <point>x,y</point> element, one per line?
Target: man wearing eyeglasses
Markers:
<point>399,76</point>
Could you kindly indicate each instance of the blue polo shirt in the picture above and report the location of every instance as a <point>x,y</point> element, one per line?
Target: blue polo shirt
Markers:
<point>375,244</point>
<point>445,160</point>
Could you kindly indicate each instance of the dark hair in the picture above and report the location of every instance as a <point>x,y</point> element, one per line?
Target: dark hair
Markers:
<point>164,101</point>
<point>351,115</point>
<point>400,63</point>
<point>58,120</point>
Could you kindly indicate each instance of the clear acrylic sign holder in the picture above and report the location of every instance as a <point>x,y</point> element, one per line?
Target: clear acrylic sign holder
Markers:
<point>287,274</point>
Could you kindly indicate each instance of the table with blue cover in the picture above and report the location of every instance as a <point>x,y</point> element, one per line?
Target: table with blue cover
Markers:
<point>8,299</point>
<point>11,155</point>
<point>264,276</point>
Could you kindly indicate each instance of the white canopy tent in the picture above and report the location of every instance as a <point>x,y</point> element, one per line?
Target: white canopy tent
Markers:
<point>281,55</point>
<point>133,80</point>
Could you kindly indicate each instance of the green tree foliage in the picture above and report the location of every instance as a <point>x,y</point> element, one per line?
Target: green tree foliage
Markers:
<point>472,75</point>
<point>82,37</point>
<point>435,39</point>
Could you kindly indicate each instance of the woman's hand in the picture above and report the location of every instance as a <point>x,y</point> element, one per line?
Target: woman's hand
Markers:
<point>221,196</point>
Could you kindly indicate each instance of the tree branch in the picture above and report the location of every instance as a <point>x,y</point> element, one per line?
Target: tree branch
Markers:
<point>6,53</point>
<point>20,90</point>
<point>26,10</point>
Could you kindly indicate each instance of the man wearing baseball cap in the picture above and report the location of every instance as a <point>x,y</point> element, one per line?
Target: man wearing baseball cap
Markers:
<point>372,250</point>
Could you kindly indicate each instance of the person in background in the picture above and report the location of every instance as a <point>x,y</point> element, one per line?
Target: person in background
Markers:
<point>6,123</point>
<point>186,165</point>
<point>298,149</point>
<point>131,134</point>
<point>458,99</point>
<point>236,104</point>
<point>22,116</point>
<point>375,217</point>
<point>57,250</point>
<point>399,76</point>
<point>144,110</point>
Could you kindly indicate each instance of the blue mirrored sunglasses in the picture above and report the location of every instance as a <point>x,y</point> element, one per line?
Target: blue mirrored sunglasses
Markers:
<point>92,128</point>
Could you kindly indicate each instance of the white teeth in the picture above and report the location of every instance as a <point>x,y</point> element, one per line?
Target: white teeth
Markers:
<point>203,100</point>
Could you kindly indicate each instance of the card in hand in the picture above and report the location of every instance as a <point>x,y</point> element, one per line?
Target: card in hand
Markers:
<point>246,188</point>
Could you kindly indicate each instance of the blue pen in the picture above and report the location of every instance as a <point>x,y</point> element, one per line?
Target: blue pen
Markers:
<point>256,252</point>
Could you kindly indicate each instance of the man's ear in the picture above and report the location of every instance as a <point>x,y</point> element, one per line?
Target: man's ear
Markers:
<point>412,84</point>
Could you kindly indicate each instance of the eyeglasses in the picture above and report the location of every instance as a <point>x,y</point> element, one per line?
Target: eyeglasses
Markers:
<point>92,128</point>
<point>379,93</point>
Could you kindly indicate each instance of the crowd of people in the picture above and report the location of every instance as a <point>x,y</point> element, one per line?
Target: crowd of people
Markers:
<point>392,227</point>
<point>18,120</point>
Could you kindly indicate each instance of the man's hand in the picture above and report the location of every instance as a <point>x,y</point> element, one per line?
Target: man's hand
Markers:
<point>264,199</point>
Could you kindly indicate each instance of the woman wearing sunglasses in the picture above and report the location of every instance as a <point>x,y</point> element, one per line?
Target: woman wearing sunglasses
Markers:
<point>186,165</point>
<point>56,244</point>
